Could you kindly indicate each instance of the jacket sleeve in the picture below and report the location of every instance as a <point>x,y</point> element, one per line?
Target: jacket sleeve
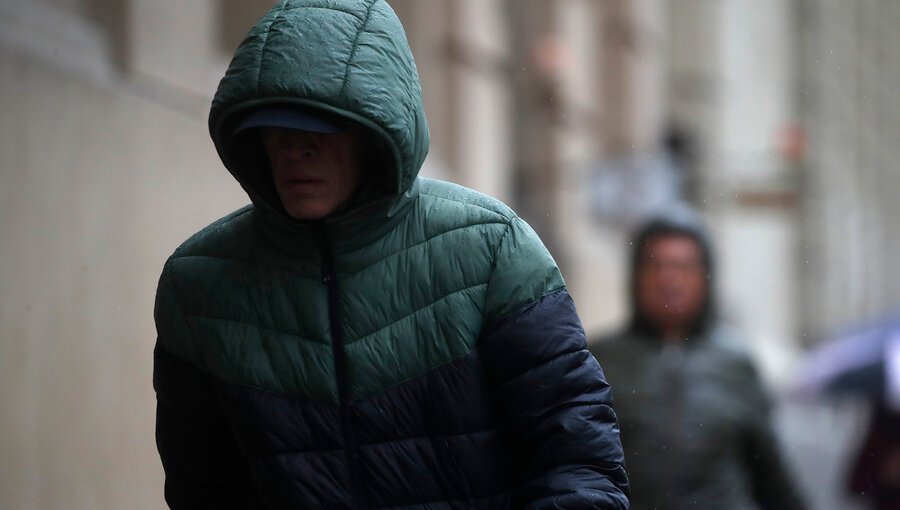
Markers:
<point>203,465</point>
<point>772,484</point>
<point>553,401</point>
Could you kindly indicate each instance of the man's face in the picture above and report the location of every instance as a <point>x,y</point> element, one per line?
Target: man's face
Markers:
<point>315,174</point>
<point>671,281</point>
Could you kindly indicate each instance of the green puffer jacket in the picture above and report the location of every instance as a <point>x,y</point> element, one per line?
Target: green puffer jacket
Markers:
<point>418,350</point>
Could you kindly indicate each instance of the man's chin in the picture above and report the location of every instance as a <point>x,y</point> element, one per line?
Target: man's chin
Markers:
<point>308,213</point>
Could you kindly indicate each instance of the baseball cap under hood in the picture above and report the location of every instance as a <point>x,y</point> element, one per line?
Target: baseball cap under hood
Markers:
<point>348,60</point>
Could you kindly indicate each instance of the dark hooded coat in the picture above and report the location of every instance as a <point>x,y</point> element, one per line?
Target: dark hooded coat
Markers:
<point>416,350</point>
<point>695,420</point>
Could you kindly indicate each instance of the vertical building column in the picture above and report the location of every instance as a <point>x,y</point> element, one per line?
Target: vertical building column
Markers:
<point>692,53</point>
<point>849,104</point>
<point>633,84</point>
<point>429,29</point>
<point>481,134</point>
<point>537,51</point>
<point>750,190</point>
<point>649,72</point>
<point>613,93</point>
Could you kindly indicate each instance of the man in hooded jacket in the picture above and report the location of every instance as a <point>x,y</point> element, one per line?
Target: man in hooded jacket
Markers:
<point>696,425</point>
<point>360,337</point>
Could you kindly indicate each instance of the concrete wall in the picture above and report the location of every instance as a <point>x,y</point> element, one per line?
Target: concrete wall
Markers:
<point>102,179</point>
<point>850,69</point>
<point>751,190</point>
<point>613,92</point>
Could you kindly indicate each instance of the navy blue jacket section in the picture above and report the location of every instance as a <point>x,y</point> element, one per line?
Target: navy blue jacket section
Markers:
<point>492,429</point>
<point>562,434</point>
<point>204,467</point>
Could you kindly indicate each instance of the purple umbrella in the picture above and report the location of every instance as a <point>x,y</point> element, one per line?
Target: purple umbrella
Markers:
<point>864,360</point>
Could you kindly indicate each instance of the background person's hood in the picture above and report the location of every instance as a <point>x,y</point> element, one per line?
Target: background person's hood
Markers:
<point>348,58</point>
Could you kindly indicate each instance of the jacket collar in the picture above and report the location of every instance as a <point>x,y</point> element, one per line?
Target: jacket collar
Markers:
<point>343,233</point>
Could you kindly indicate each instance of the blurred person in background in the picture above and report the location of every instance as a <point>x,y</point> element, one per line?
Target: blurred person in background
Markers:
<point>695,422</point>
<point>360,337</point>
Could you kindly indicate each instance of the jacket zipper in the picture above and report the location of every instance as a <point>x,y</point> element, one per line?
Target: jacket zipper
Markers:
<point>329,278</point>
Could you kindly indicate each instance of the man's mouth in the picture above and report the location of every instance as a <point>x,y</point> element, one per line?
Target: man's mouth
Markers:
<point>303,184</point>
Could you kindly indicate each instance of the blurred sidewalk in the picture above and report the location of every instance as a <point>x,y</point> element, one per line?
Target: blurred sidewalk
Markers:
<point>820,439</point>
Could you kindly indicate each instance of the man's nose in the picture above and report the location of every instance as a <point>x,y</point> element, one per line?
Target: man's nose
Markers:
<point>301,145</point>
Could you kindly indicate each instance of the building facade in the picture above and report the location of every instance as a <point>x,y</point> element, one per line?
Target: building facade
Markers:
<point>782,115</point>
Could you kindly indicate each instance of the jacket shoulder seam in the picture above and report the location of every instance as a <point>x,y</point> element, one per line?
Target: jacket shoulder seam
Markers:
<point>525,306</point>
<point>210,230</point>
<point>508,219</point>
<point>499,245</point>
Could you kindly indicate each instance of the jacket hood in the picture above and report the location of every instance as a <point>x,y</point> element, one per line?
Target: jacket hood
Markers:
<point>678,220</point>
<point>346,58</point>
